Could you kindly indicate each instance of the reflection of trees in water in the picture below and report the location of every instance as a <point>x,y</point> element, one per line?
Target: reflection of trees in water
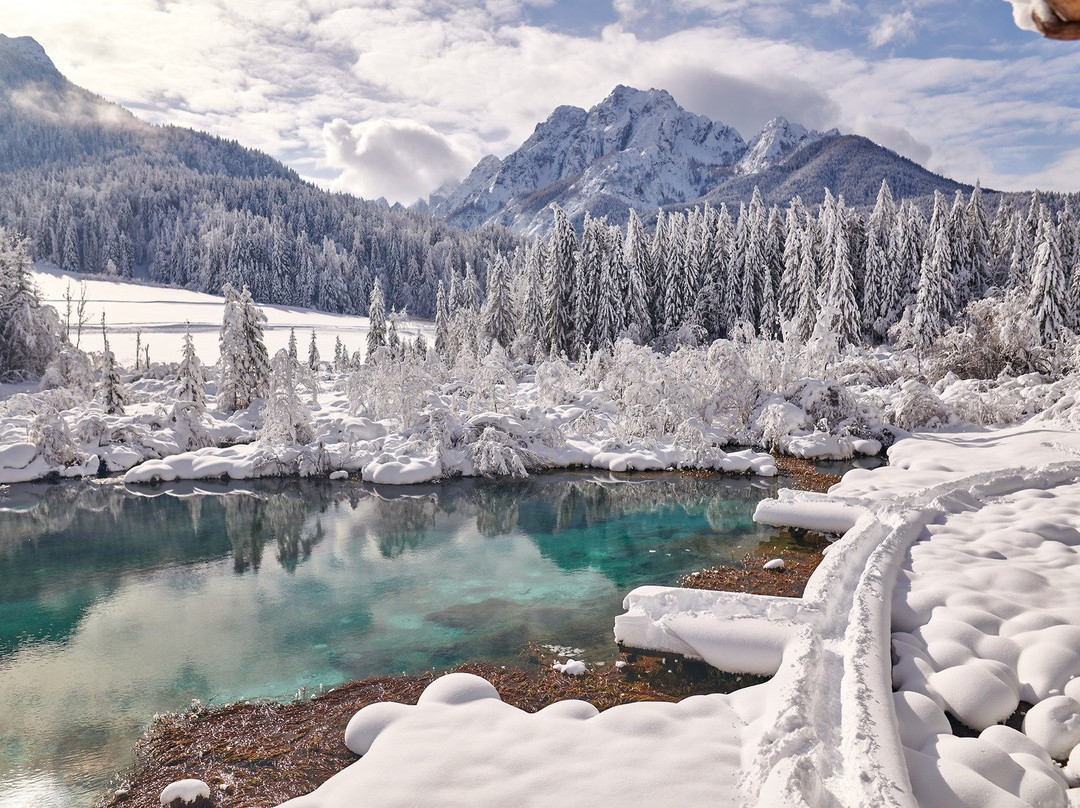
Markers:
<point>497,509</point>
<point>253,520</point>
<point>243,525</point>
<point>403,523</point>
<point>32,511</point>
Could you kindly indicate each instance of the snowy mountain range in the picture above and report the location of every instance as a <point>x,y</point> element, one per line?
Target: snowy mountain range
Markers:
<point>639,149</point>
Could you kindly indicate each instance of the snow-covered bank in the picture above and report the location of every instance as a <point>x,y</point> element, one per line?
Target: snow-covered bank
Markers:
<point>966,545</point>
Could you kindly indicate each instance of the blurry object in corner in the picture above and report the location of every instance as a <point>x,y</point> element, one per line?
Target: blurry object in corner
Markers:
<point>1054,19</point>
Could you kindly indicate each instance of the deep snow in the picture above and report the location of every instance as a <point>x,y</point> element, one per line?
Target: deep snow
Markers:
<point>966,543</point>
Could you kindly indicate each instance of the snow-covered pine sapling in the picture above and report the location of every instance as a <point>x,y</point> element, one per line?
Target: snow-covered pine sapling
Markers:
<point>190,379</point>
<point>376,337</point>
<point>313,354</point>
<point>110,387</point>
<point>293,353</point>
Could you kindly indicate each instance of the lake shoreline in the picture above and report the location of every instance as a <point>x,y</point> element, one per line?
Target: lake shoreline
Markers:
<point>259,754</point>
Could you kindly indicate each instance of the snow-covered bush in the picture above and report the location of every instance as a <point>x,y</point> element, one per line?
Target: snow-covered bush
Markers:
<point>71,369</point>
<point>997,336</point>
<point>916,407</point>
<point>286,417</point>
<point>497,454</point>
<point>50,432</point>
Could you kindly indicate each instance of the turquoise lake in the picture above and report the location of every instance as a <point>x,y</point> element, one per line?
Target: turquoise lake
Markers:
<point>116,604</point>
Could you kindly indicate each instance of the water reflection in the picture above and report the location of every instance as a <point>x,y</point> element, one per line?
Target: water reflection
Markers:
<point>117,604</point>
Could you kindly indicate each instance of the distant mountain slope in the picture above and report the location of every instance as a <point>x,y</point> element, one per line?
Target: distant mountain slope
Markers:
<point>47,120</point>
<point>98,190</point>
<point>640,149</point>
<point>846,164</point>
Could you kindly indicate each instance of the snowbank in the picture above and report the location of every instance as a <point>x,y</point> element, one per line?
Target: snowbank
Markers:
<point>967,546</point>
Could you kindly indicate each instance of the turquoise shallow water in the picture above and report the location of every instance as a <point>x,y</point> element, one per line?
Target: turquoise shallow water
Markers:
<point>118,604</point>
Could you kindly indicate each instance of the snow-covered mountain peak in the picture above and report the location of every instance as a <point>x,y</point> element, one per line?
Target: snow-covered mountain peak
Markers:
<point>27,48</point>
<point>779,138</point>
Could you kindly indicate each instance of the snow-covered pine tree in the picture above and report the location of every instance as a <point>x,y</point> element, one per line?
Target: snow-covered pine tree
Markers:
<point>442,326</point>
<point>660,249</point>
<point>1002,231</point>
<point>244,364</point>
<point>734,282</point>
<point>636,266</point>
<point>675,281</point>
<point>294,355</point>
<point>775,237</point>
<point>110,389</point>
<point>786,292</point>
<point>376,336</point>
<point>1067,236</point>
<point>961,270</point>
<point>1022,253</point>
<point>931,301</point>
<point>313,353</point>
<point>497,318</point>
<point>561,254</point>
<point>979,259</point>
<point>469,292</point>
<point>1048,297</point>
<point>879,262</point>
<point>393,341</point>
<point>769,316</point>
<point>588,269</point>
<point>190,379</point>
<point>611,302</point>
<point>754,260</point>
<point>807,289</point>
<point>840,280</point>
<point>30,334</point>
<point>529,340</point>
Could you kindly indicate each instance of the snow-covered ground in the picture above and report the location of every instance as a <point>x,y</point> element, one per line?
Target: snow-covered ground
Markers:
<point>966,545</point>
<point>162,314</point>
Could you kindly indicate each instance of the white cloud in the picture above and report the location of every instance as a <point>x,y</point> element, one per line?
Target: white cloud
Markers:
<point>400,160</point>
<point>893,27</point>
<point>473,77</point>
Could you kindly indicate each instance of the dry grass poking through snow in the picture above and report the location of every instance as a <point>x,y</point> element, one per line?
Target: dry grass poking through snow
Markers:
<point>257,755</point>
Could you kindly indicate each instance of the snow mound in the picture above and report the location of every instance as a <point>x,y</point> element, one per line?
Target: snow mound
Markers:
<point>572,667</point>
<point>185,791</point>
<point>461,746</point>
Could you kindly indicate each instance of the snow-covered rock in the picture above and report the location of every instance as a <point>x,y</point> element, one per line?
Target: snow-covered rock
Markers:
<point>185,792</point>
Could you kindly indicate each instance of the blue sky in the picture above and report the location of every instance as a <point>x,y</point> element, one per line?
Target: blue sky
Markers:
<point>392,99</point>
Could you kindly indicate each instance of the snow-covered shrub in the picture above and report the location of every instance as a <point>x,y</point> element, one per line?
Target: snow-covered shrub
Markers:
<point>997,336</point>
<point>286,417</point>
<point>916,406</point>
<point>775,421</point>
<point>71,369</point>
<point>494,381</point>
<point>978,401</point>
<point>497,454</point>
<point>50,432</point>
<point>557,382</point>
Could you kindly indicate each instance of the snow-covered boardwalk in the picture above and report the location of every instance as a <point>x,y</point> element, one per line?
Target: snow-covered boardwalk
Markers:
<point>966,546</point>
